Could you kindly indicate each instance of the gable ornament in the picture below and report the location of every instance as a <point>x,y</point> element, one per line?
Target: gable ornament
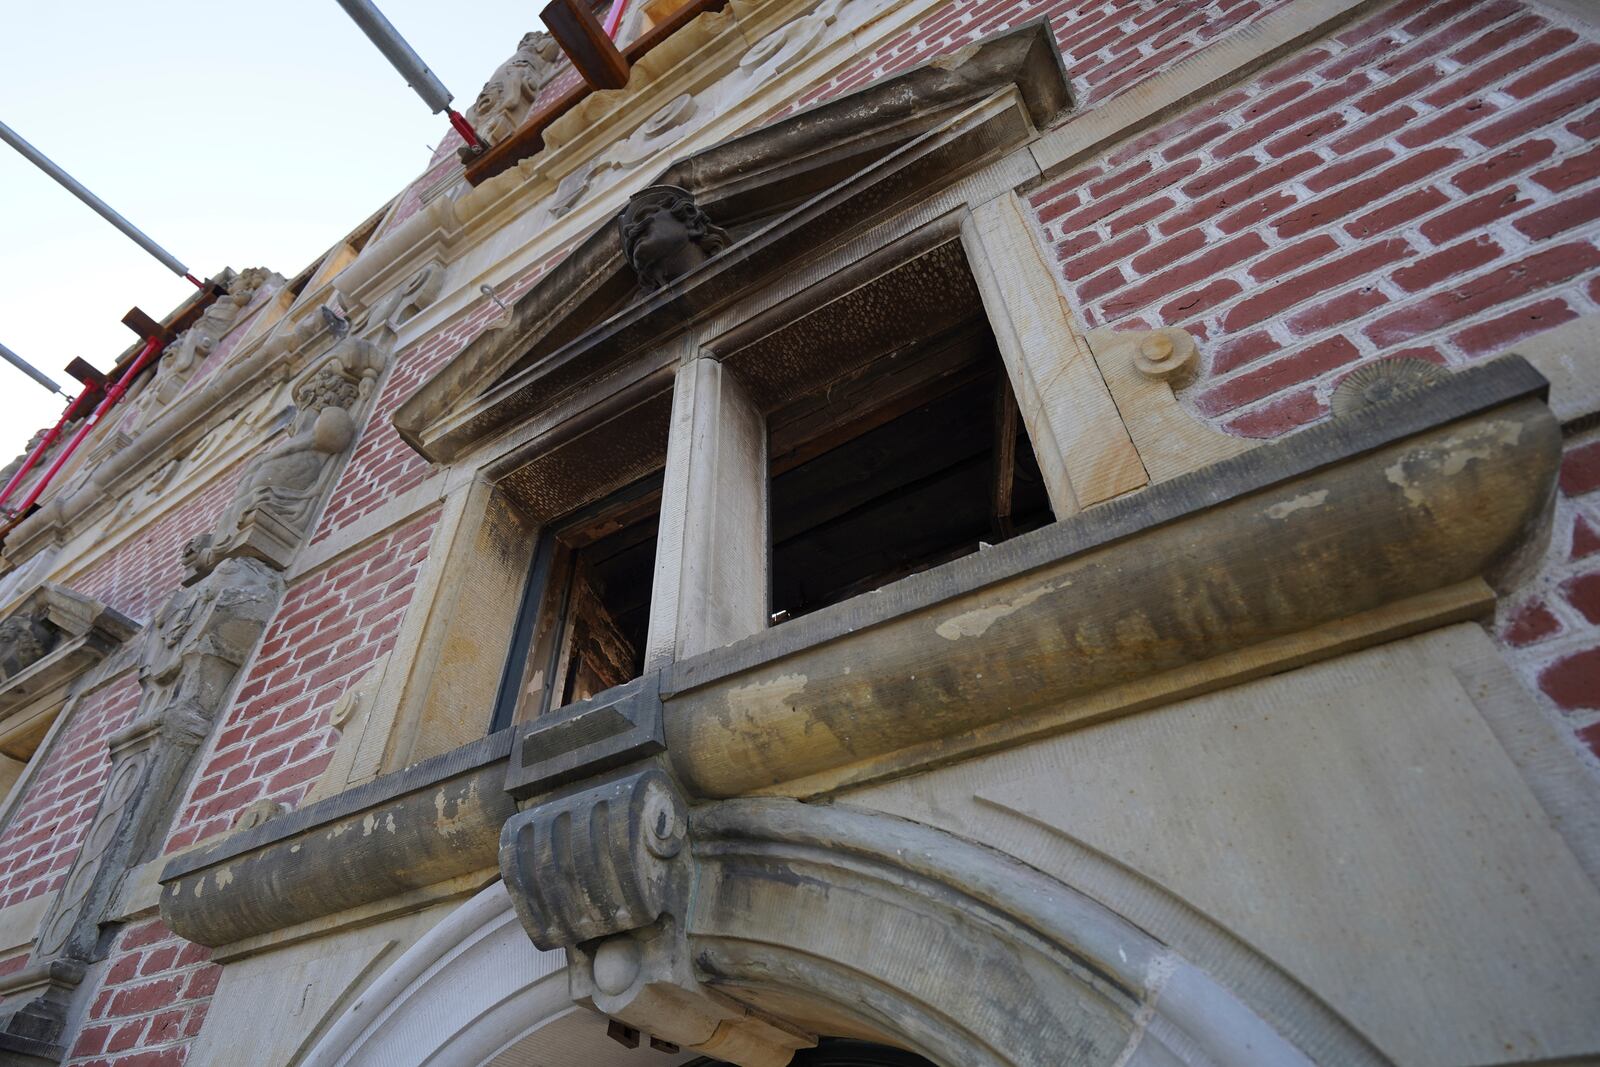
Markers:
<point>665,235</point>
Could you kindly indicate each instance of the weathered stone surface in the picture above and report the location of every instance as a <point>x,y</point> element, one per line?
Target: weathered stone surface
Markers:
<point>1566,355</point>
<point>665,235</point>
<point>619,841</point>
<point>1408,795</point>
<point>617,727</point>
<point>51,637</point>
<point>430,823</point>
<point>1141,368</point>
<point>1404,499</point>
<point>189,659</point>
<point>182,358</point>
<point>621,911</point>
<point>278,494</point>
<point>899,137</point>
<point>304,986</point>
<point>1073,423</point>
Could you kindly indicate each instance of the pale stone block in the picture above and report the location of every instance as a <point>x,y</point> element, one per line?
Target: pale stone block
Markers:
<point>1569,356</point>
<point>710,585</point>
<point>20,922</point>
<point>1079,439</point>
<point>1170,441</point>
<point>277,1004</point>
<point>1358,822</point>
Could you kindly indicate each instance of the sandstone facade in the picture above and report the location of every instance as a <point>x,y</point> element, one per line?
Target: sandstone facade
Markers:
<point>956,531</point>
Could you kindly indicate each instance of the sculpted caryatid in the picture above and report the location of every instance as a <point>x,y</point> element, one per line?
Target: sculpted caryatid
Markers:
<point>665,235</point>
<point>511,90</point>
<point>273,503</point>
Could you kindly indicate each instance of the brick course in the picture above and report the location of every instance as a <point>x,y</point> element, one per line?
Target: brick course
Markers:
<point>1108,45</point>
<point>1425,184</point>
<point>139,574</point>
<point>274,740</point>
<point>42,839</point>
<point>383,466</point>
<point>151,1003</point>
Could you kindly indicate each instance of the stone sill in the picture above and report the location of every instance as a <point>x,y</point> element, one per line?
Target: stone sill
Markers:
<point>1427,497</point>
<point>1417,501</point>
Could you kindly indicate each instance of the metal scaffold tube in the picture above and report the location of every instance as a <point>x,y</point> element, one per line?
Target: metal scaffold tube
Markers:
<point>100,207</point>
<point>400,54</point>
<point>30,370</point>
<point>404,59</point>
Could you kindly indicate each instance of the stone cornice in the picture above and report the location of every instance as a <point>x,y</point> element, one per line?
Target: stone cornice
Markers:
<point>882,145</point>
<point>183,423</point>
<point>86,631</point>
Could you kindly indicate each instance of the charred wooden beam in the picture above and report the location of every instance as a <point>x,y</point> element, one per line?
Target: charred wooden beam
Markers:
<point>586,43</point>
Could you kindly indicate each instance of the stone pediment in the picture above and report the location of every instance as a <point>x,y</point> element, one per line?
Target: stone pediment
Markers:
<point>806,181</point>
<point>49,639</point>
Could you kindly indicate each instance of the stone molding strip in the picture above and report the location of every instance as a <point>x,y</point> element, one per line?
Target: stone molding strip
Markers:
<point>277,874</point>
<point>488,752</point>
<point>1465,393</point>
<point>184,421</point>
<point>428,824</point>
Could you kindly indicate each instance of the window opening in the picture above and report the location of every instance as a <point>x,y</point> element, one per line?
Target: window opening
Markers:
<point>843,1052</point>
<point>907,461</point>
<point>586,606</point>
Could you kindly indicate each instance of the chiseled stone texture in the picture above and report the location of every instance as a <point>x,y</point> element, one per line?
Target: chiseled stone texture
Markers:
<point>275,1004</point>
<point>1421,182</point>
<point>1361,822</point>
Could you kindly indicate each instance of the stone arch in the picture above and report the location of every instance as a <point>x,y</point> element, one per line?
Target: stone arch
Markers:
<point>829,914</point>
<point>856,924</point>
<point>468,991</point>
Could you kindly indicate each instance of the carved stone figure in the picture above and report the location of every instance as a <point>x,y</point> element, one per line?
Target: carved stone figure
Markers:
<point>189,659</point>
<point>53,635</point>
<point>24,640</point>
<point>511,90</point>
<point>272,507</point>
<point>191,348</point>
<point>665,235</point>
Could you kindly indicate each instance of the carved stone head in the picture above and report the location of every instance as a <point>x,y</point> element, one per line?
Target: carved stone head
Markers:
<point>538,46</point>
<point>24,640</point>
<point>665,235</point>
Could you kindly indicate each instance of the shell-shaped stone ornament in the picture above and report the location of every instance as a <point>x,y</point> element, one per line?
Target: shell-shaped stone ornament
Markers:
<point>1382,381</point>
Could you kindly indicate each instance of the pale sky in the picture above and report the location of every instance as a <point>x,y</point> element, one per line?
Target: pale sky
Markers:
<point>234,135</point>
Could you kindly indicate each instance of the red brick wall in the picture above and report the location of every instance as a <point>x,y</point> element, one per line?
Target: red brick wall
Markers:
<point>40,842</point>
<point>139,575</point>
<point>1551,628</point>
<point>151,1004</point>
<point>274,739</point>
<point>1108,45</point>
<point>384,466</point>
<point>1425,183</point>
